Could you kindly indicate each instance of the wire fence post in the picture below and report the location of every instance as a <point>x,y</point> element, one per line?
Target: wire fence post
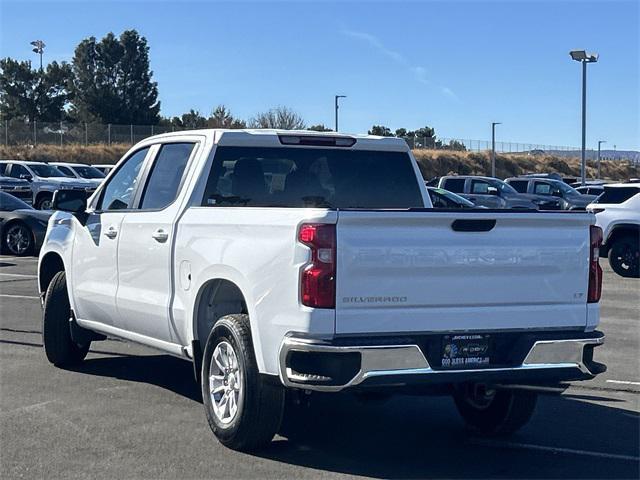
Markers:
<point>60,132</point>
<point>151,130</point>
<point>6,132</point>
<point>86,134</point>
<point>131,133</point>
<point>35,133</point>
<point>109,134</point>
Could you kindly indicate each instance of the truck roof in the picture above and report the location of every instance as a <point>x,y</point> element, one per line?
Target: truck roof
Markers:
<point>272,138</point>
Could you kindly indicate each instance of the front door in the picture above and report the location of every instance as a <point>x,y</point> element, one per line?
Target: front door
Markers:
<point>146,240</point>
<point>95,253</point>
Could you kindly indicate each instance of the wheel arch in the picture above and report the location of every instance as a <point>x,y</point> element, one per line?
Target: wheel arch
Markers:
<point>50,264</point>
<point>620,229</point>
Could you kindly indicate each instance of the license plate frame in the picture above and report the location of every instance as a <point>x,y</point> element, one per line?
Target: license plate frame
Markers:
<point>466,351</point>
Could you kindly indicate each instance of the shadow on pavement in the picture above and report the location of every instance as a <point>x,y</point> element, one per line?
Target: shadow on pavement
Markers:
<point>413,437</point>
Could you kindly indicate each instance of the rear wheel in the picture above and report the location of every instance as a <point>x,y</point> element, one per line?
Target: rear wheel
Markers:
<point>59,347</point>
<point>244,411</point>
<point>45,202</point>
<point>494,412</point>
<point>18,239</point>
<point>624,256</point>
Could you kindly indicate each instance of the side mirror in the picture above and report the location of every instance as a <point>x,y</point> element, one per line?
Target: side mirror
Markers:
<point>492,190</point>
<point>74,201</point>
<point>26,176</point>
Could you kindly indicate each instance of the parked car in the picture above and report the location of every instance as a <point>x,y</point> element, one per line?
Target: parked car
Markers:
<point>441,198</point>
<point>80,170</point>
<point>593,190</point>
<point>104,167</point>
<point>284,262</point>
<point>15,186</point>
<point>22,228</point>
<point>44,179</point>
<point>569,198</point>
<point>493,193</point>
<point>618,214</point>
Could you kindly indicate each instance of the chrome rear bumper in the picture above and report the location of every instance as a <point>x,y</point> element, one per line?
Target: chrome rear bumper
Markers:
<point>396,365</point>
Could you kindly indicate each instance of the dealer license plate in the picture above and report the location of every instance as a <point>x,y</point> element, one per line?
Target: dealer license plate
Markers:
<point>466,351</point>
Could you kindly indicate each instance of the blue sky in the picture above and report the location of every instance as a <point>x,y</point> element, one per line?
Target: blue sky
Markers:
<point>456,66</point>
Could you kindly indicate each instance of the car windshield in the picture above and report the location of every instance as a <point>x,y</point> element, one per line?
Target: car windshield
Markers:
<point>86,171</point>
<point>9,203</point>
<point>45,171</point>
<point>454,197</point>
<point>503,187</point>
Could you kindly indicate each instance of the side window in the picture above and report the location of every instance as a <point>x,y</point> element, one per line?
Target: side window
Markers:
<point>480,187</point>
<point>162,186</point>
<point>118,193</point>
<point>520,186</point>
<point>3,169</point>
<point>66,170</point>
<point>17,170</point>
<point>542,188</point>
<point>455,185</point>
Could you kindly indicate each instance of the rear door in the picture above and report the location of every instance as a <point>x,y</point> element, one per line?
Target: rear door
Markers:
<point>442,271</point>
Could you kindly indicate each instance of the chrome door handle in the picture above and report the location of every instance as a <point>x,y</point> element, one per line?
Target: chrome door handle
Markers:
<point>160,235</point>
<point>111,233</point>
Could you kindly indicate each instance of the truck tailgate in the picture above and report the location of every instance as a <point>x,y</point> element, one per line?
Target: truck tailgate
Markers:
<point>405,271</point>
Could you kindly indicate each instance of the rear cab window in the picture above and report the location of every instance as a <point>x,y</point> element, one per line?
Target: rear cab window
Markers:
<point>311,177</point>
<point>455,185</point>
<point>519,186</point>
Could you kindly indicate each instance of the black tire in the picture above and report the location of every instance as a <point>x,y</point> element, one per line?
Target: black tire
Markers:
<point>259,402</point>
<point>624,256</point>
<point>44,201</point>
<point>502,413</point>
<point>26,242</point>
<point>60,349</point>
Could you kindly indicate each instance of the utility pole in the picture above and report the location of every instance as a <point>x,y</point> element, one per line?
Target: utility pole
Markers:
<point>337,97</point>
<point>493,148</point>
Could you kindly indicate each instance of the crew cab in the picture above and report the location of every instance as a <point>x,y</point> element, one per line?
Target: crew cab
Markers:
<point>618,214</point>
<point>44,179</point>
<point>285,263</point>
<point>494,193</point>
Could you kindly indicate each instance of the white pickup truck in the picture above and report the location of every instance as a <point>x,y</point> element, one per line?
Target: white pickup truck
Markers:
<point>285,263</point>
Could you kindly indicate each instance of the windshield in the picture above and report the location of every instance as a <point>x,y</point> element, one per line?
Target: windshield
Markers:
<point>454,197</point>
<point>312,177</point>
<point>45,171</point>
<point>87,172</point>
<point>616,195</point>
<point>9,203</point>
<point>503,187</point>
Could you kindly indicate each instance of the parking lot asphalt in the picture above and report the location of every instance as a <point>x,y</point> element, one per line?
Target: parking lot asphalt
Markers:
<point>131,412</point>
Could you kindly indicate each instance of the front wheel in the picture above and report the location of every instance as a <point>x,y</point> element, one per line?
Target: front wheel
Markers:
<point>624,256</point>
<point>45,202</point>
<point>244,410</point>
<point>59,347</point>
<point>494,412</point>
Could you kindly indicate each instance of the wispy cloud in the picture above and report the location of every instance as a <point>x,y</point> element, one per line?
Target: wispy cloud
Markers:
<point>419,72</point>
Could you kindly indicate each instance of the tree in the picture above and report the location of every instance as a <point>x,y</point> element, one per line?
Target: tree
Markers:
<point>381,131</point>
<point>279,117</point>
<point>319,128</point>
<point>401,132</point>
<point>112,81</point>
<point>33,94</point>
<point>221,117</point>
<point>190,120</point>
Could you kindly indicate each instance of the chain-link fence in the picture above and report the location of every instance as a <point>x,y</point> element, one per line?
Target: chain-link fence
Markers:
<point>17,132</point>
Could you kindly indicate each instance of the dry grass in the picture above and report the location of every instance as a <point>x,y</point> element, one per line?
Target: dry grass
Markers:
<point>432,162</point>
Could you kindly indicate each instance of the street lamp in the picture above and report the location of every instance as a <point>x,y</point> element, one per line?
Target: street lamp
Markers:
<point>493,147</point>
<point>337,97</point>
<point>584,57</point>
<point>600,142</point>
<point>39,49</point>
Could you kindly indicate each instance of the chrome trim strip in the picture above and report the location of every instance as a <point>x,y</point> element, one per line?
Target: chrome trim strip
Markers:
<point>391,360</point>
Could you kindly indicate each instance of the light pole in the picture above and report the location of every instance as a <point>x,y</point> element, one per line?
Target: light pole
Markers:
<point>493,147</point>
<point>600,142</point>
<point>39,49</point>
<point>337,97</point>
<point>584,57</point>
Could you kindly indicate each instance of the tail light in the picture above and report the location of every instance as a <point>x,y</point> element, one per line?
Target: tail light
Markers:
<point>595,272</point>
<point>318,277</point>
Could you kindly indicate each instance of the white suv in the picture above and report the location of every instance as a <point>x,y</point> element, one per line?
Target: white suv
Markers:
<point>618,214</point>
